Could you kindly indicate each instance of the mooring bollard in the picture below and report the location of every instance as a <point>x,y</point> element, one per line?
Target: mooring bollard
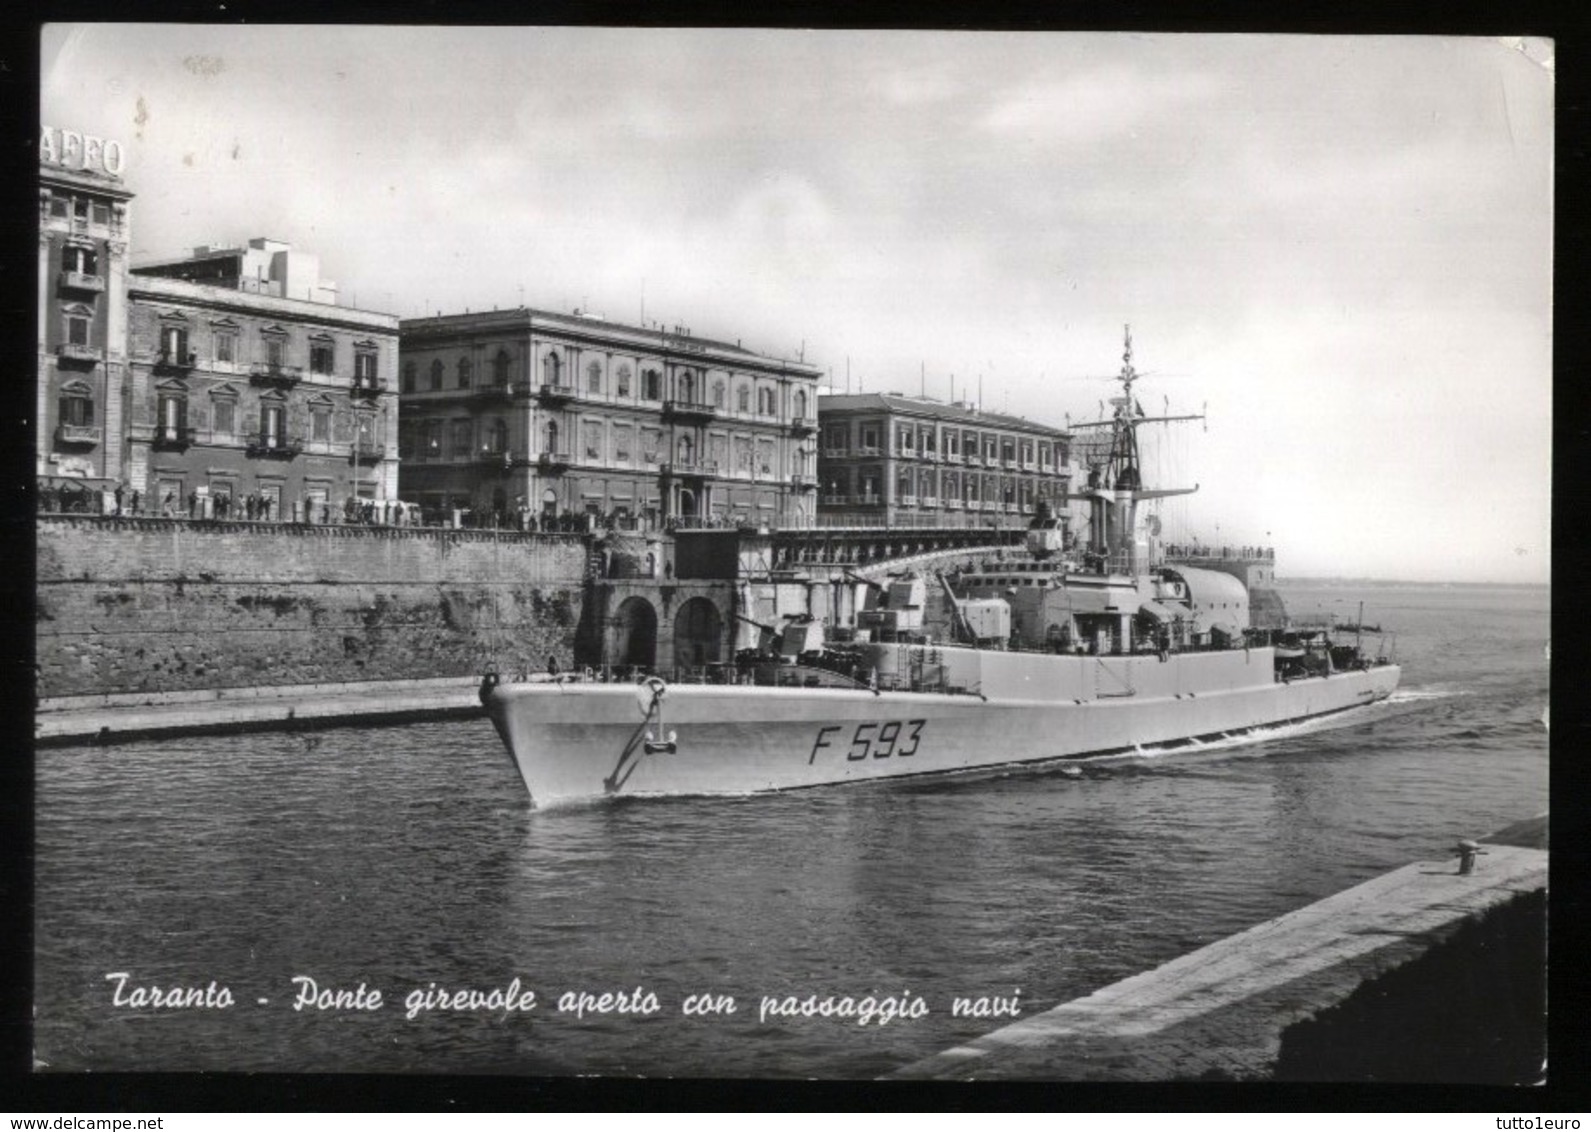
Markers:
<point>1467,852</point>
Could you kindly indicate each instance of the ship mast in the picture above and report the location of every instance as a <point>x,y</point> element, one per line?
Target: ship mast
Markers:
<point>1115,483</point>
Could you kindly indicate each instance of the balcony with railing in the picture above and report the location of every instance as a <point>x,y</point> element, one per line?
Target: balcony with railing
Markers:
<point>77,434</point>
<point>689,411</point>
<point>908,501</point>
<point>275,373</point>
<point>865,500</point>
<point>802,426</point>
<point>172,437</point>
<point>492,391</point>
<point>80,281</point>
<point>79,353</point>
<point>368,451</point>
<point>952,503</point>
<point>556,393</point>
<point>370,383</point>
<point>834,500</point>
<point>273,446</point>
<point>803,482</point>
<point>869,450</point>
<point>553,462</point>
<point>175,361</point>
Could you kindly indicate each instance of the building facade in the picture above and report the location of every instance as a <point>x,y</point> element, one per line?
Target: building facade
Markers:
<point>248,403</point>
<point>552,414</point>
<point>892,461</point>
<point>85,217</point>
<point>225,383</point>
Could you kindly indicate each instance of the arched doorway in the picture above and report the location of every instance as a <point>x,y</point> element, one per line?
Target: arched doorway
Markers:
<point>698,634</point>
<point>632,635</point>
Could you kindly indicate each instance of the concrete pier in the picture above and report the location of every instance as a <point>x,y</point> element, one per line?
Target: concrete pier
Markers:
<point>1219,1012</point>
<point>115,718</point>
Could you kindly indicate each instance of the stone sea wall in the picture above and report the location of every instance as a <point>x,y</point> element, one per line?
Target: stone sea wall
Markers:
<point>130,605</point>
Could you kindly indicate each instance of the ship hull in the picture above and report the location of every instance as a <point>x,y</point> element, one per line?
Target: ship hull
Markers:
<point>579,741</point>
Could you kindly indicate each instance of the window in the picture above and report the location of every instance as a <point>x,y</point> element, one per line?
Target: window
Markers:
<point>870,437</point>
<point>320,424</point>
<point>650,439</point>
<point>463,439</point>
<point>685,387</point>
<point>687,451</point>
<point>364,431</point>
<point>409,377</point>
<point>905,438</point>
<point>275,352</point>
<point>320,358</point>
<point>173,344</point>
<point>364,365</point>
<point>273,420</point>
<point>436,375</point>
<point>226,346</point>
<point>765,401</point>
<point>834,438</point>
<point>80,208</point>
<point>496,443</point>
<point>622,380</point>
<point>904,485</point>
<point>172,413</point>
<point>652,385</point>
<point>500,367</point>
<point>59,206</point>
<point>593,440</point>
<point>101,213</point>
<point>798,410</point>
<point>463,371</point>
<point>743,399</point>
<point>765,457</point>
<point>718,395</point>
<point>81,260</point>
<point>76,406</point>
<point>77,329</point>
<point>551,366</point>
<point>952,444</point>
<point>1044,455</point>
<point>552,437</point>
<point>431,440</point>
<point>621,443</point>
<point>742,454</point>
<point>226,416</point>
<point>594,377</point>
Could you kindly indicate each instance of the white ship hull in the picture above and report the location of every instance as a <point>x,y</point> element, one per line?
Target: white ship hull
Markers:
<point>575,741</point>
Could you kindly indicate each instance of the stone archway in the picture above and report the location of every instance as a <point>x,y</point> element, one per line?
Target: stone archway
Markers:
<point>632,635</point>
<point>698,634</point>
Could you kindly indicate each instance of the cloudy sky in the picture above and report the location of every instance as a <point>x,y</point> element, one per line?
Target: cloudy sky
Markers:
<point>1342,246</point>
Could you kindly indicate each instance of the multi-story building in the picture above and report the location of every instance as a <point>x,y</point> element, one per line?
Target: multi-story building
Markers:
<point>558,413</point>
<point>892,461</point>
<point>253,385</point>
<point>84,221</point>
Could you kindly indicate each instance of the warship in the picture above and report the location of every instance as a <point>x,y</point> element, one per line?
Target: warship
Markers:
<point>1071,648</point>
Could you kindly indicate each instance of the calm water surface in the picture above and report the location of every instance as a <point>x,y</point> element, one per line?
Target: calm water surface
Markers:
<point>401,857</point>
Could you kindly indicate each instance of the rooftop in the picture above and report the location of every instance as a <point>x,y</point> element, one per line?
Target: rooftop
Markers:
<point>929,407</point>
<point>586,323</point>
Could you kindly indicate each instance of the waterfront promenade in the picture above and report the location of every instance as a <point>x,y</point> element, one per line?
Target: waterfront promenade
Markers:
<point>1220,1013</point>
<point>118,718</point>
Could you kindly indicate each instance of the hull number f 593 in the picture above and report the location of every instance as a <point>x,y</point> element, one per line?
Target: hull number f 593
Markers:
<point>895,738</point>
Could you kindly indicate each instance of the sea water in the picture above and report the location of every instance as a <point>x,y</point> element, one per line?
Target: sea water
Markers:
<point>385,900</point>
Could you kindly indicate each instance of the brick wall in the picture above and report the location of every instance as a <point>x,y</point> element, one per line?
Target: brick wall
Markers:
<point>128,605</point>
